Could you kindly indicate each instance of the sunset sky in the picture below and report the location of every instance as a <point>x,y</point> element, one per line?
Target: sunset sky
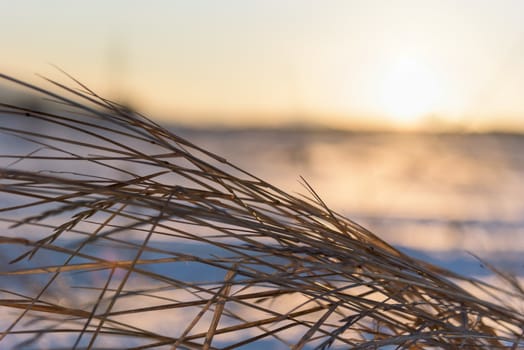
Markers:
<point>401,63</point>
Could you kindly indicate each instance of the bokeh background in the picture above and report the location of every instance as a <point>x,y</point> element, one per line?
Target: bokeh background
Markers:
<point>406,116</point>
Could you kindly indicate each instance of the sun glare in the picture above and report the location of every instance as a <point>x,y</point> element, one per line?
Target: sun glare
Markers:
<point>409,91</point>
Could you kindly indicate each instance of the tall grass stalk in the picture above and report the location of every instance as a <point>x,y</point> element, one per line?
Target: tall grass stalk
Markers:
<point>125,235</point>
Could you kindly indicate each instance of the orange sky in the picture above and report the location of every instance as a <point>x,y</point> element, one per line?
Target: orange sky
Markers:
<point>340,63</point>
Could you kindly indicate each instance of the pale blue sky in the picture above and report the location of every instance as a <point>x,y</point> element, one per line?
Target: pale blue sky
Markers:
<point>269,61</point>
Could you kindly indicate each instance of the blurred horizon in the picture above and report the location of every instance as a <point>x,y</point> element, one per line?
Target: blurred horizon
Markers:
<point>358,65</point>
<point>432,125</point>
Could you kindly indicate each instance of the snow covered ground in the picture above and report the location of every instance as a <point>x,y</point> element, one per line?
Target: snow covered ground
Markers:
<point>436,196</point>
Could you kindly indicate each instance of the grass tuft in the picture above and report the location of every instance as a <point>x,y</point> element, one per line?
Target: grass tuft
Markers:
<point>125,235</point>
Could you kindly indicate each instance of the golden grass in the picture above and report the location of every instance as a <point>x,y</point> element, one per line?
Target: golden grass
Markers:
<point>126,235</point>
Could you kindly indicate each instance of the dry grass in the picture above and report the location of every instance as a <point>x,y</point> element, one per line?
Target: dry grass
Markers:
<point>128,236</point>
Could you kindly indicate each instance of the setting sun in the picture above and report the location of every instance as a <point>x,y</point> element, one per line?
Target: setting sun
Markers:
<point>409,91</point>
